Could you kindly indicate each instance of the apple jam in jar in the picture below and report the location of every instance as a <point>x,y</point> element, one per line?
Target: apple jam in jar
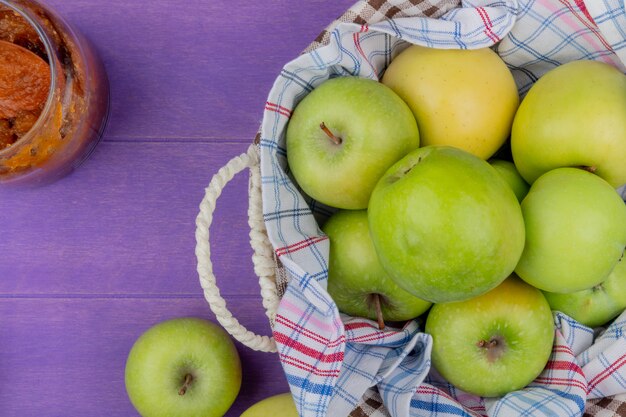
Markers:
<point>54,95</point>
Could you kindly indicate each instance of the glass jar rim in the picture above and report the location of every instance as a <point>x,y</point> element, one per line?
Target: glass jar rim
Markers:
<point>53,73</point>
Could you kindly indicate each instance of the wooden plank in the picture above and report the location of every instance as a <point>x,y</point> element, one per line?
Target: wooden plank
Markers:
<point>66,357</point>
<point>124,223</point>
<point>195,69</point>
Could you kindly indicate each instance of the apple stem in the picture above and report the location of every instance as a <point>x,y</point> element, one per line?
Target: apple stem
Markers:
<point>487,344</point>
<point>335,139</point>
<point>379,312</point>
<point>591,169</point>
<point>186,384</point>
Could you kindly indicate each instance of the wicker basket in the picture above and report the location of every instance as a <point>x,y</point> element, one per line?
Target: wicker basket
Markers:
<point>273,278</point>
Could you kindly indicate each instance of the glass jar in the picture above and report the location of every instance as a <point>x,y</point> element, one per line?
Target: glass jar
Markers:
<point>72,117</point>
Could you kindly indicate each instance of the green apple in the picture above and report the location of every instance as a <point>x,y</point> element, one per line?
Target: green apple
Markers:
<point>495,343</point>
<point>575,231</point>
<point>280,405</point>
<point>510,174</point>
<point>344,135</point>
<point>445,225</point>
<point>574,115</point>
<point>462,98</point>
<point>597,305</point>
<point>356,280</point>
<point>183,367</point>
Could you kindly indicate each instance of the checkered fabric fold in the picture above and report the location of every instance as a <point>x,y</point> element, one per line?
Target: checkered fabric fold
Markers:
<point>338,365</point>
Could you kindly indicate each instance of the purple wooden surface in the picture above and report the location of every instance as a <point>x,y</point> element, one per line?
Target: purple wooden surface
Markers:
<point>90,262</point>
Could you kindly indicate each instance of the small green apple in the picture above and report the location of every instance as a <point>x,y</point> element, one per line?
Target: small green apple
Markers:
<point>356,280</point>
<point>597,305</point>
<point>575,231</point>
<point>462,98</point>
<point>510,174</point>
<point>343,136</point>
<point>445,225</point>
<point>495,343</point>
<point>574,115</point>
<point>183,367</point>
<point>280,405</point>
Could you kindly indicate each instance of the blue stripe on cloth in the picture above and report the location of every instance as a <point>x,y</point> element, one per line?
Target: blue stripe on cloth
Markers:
<point>308,386</point>
<point>438,409</point>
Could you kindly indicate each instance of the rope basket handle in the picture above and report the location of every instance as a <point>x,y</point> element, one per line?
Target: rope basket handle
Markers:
<point>263,257</point>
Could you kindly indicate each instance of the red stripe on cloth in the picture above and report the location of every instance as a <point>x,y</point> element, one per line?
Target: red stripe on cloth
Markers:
<point>310,352</point>
<point>297,363</point>
<point>565,366</point>
<point>357,44</point>
<point>299,245</point>
<point>370,337</point>
<point>306,332</point>
<point>561,381</point>
<point>278,109</point>
<point>581,5</point>
<point>433,391</point>
<point>357,325</point>
<point>484,12</point>
<point>488,25</point>
<point>606,373</point>
<point>364,28</point>
<point>585,22</point>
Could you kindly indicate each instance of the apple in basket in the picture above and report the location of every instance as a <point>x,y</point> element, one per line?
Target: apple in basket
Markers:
<point>494,343</point>
<point>183,367</point>
<point>445,225</point>
<point>357,281</point>
<point>574,115</point>
<point>507,170</point>
<point>575,231</point>
<point>462,98</point>
<point>342,137</point>
<point>280,405</point>
<point>597,305</point>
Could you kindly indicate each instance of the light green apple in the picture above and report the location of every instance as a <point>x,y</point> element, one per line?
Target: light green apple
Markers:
<point>445,225</point>
<point>575,231</point>
<point>183,367</point>
<point>510,174</point>
<point>343,136</point>
<point>462,98</point>
<point>495,343</point>
<point>356,280</point>
<point>574,115</point>
<point>280,405</point>
<point>597,305</point>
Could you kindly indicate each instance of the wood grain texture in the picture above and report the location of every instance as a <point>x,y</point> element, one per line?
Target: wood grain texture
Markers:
<point>66,357</point>
<point>195,69</point>
<point>125,223</point>
<point>90,262</point>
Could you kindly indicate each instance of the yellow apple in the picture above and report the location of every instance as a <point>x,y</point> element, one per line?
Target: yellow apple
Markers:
<point>280,405</point>
<point>461,98</point>
<point>573,116</point>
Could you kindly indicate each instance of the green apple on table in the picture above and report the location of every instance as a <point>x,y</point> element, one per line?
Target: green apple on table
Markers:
<point>343,136</point>
<point>597,305</point>
<point>183,367</point>
<point>280,405</point>
<point>461,98</point>
<point>510,174</point>
<point>445,225</point>
<point>575,231</point>
<point>357,281</point>
<point>574,115</point>
<point>495,343</point>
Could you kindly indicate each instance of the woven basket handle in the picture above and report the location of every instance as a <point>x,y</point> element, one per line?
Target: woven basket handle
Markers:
<point>263,258</point>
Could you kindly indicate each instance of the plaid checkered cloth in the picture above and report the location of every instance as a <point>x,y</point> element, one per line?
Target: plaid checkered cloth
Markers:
<point>338,365</point>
